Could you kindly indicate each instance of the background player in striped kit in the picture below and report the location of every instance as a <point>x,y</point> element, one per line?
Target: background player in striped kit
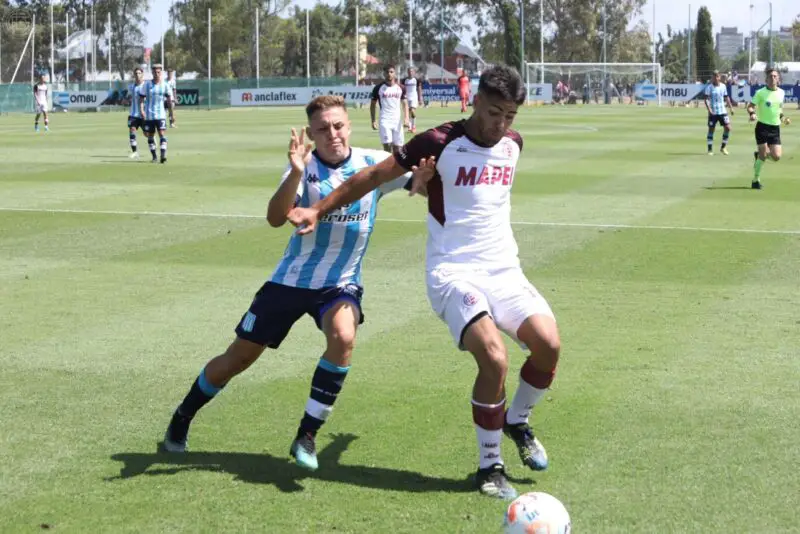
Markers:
<point>716,98</point>
<point>319,275</point>
<point>135,117</point>
<point>156,95</point>
<point>40,104</point>
<point>413,86</point>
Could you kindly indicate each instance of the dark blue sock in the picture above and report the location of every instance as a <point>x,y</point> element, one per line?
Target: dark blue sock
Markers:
<point>325,387</point>
<point>710,141</point>
<point>132,138</point>
<point>164,147</point>
<point>725,137</point>
<point>199,395</point>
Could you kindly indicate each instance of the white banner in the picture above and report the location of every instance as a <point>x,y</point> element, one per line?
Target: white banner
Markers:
<point>79,99</point>
<point>540,92</point>
<point>278,96</point>
<point>670,92</point>
<point>298,96</point>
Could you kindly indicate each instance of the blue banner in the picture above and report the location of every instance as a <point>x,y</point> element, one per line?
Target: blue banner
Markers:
<point>792,91</point>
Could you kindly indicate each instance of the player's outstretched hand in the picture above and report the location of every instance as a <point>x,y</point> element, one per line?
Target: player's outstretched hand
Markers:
<point>299,151</point>
<point>421,174</point>
<point>305,219</point>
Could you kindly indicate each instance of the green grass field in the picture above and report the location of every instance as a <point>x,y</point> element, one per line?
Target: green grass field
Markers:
<point>676,404</point>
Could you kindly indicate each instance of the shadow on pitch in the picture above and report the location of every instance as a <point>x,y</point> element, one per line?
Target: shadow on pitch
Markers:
<point>726,187</point>
<point>284,474</point>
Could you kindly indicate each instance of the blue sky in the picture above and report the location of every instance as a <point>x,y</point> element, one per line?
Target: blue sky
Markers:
<point>676,14</point>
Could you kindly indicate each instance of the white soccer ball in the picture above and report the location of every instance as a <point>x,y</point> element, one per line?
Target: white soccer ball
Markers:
<point>536,513</point>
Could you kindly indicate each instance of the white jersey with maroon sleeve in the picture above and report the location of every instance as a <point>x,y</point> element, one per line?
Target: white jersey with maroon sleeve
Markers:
<point>390,98</point>
<point>40,96</point>
<point>472,257</point>
<point>469,197</point>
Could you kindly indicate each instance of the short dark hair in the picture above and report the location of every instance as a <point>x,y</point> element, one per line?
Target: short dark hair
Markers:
<point>389,66</point>
<point>770,70</point>
<point>324,102</point>
<point>503,82</point>
<point>138,69</point>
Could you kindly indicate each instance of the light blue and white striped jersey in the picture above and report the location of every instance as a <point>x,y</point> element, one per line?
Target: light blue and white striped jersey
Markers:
<point>331,256</point>
<point>133,90</point>
<point>154,95</point>
<point>716,98</point>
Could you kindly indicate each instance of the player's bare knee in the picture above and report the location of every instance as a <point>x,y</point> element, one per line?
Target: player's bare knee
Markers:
<point>240,355</point>
<point>493,359</point>
<point>774,156</point>
<point>341,342</point>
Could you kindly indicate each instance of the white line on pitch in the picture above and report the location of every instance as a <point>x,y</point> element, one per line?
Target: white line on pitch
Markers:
<point>516,223</point>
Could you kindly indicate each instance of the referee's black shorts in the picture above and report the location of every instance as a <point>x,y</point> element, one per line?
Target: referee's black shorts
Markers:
<point>766,134</point>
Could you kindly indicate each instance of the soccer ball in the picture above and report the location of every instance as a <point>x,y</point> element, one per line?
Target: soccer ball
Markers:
<point>536,513</point>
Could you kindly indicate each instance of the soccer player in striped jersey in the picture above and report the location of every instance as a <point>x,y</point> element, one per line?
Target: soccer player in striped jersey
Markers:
<point>716,98</point>
<point>135,117</point>
<point>156,95</point>
<point>40,103</point>
<point>319,275</point>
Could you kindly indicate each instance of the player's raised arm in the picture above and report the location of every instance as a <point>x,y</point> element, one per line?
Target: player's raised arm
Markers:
<point>353,189</point>
<point>285,197</point>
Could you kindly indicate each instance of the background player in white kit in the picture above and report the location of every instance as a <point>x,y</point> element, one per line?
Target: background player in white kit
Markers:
<point>413,86</point>
<point>475,282</point>
<point>172,80</point>
<point>40,104</point>
<point>135,117</point>
<point>394,110</point>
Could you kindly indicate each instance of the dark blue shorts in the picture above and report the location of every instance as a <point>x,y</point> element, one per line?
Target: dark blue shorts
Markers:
<point>135,122</point>
<point>277,307</point>
<point>151,127</point>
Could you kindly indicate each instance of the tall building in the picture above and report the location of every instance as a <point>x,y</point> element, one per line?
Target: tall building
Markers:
<point>729,42</point>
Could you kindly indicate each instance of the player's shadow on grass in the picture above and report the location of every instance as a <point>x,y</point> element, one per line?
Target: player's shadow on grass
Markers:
<point>284,474</point>
<point>724,187</point>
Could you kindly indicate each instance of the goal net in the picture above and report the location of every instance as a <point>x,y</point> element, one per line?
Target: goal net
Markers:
<point>597,83</point>
<point>17,68</point>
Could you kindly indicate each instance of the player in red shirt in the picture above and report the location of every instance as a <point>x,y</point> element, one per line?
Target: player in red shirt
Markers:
<point>474,279</point>
<point>463,90</point>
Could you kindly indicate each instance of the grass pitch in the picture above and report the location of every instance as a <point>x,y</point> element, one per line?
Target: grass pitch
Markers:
<point>675,408</point>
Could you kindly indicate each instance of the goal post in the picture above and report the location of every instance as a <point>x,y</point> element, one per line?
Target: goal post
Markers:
<point>594,81</point>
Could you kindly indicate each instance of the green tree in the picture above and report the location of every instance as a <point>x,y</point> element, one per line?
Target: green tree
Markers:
<point>705,56</point>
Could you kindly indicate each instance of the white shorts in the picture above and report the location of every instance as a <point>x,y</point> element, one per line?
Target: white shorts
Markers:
<point>458,297</point>
<point>40,108</point>
<point>391,134</point>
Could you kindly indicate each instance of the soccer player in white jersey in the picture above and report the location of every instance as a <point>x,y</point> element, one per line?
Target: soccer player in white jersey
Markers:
<point>173,84</point>
<point>319,275</point>
<point>716,100</point>
<point>135,117</point>
<point>413,86</point>
<point>475,282</point>
<point>156,95</point>
<point>40,104</point>
<point>394,110</point>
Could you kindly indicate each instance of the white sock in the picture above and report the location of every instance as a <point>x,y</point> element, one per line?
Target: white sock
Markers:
<point>525,398</point>
<point>488,447</point>
<point>413,122</point>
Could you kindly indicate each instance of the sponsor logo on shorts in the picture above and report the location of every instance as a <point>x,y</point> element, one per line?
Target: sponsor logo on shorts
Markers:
<point>470,299</point>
